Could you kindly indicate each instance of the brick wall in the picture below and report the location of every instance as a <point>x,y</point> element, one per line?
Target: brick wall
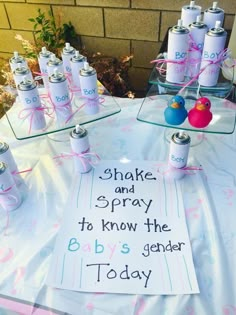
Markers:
<point>112,27</point>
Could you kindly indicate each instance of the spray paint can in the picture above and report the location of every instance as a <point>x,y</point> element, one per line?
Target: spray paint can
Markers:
<point>213,14</point>
<point>80,146</point>
<point>16,60</point>
<point>20,72</point>
<point>30,99</point>
<point>7,157</point>
<point>60,96</point>
<point>213,48</point>
<point>179,149</point>
<point>77,63</point>
<point>197,34</point>
<point>54,63</point>
<point>67,53</point>
<point>10,197</point>
<point>189,13</point>
<point>43,59</point>
<point>178,41</point>
<point>89,88</point>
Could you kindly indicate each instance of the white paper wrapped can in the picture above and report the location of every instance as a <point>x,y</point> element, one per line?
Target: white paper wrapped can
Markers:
<point>16,60</point>
<point>67,53</point>
<point>54,63</point>
<point>189,13</point>
<point>20,72</point>
<point>178,42</point>
<point>213,14</point>
<point>30,99</point>
<point>212,58</point>
<point>10,197</point>
<point>7,157</point>
<point>60,96</point>
<point>43,59</point>
<point>77,63</point>
<point>80,147</point>
<point>197,34</point>
<point>89,88</point>
<point>179,149</point>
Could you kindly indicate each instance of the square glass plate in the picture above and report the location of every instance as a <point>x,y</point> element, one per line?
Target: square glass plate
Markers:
<point>21,127</point>
<point>154,105</point>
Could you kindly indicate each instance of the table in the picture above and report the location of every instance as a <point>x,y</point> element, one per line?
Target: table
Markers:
<point>27,240</point>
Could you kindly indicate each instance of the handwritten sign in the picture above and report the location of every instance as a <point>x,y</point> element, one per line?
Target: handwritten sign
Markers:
<point>124,231</point>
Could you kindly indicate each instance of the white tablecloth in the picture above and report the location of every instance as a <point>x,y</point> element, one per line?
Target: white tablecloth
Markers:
<point>27,240</point>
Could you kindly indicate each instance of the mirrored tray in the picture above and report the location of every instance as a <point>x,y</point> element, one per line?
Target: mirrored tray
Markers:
<point>21,126</point>
<point>223,110</point>
<point>222,89</point>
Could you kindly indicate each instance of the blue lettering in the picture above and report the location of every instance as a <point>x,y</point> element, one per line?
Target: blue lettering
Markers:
<point>99,248</point>
<point>177,159</point>
<point>73,245</point>
<point>125,249</point>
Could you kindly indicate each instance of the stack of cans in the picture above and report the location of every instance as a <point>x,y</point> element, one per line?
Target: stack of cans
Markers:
<point>196,48</point>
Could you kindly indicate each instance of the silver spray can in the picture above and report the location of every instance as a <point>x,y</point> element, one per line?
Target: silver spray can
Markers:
<point>177,49</point>
<point>20,72</point>
<point>77,63</point>
<point>197,34</point>
<point>43,59</point>
<point>60,96</point>
<point>179,149</point>
<point>7,157</point>
<point>67,53</point>
<point>213,14</point>
<point>10,197</point>
<point>212,55</point>
<point>30,99</point>
<point>16,60</point>
<point>189,13</point>
<point>80,147</point>
<point>54,63</point>
<point>89,88</point>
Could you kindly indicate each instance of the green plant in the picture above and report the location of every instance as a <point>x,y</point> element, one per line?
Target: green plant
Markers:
<point>48,34</point>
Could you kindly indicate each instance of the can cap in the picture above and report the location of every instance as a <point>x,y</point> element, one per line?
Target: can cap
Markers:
<point>78,132</point>
<point>45,53</point>
<point>87,70</point>
<point>3,167</point>
<point>77,57</point>
<point>181,137</point>
<point>26,84</point>
<point>179,28</point>
<point>68,49</point>
<point>57,76</point>
<point>3,147</point>
<point>217,30</point>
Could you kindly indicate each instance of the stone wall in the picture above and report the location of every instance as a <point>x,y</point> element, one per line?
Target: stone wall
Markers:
<point>112,27</point>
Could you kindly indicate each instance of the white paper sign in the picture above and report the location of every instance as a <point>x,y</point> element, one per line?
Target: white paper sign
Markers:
<point>124,231</point>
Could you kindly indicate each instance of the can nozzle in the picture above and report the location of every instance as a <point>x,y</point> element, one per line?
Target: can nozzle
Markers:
<point>67,46</point>
<point>55,72</point>
<point>198,19</point>
<point>25,79</point>
<point>77,129</point>
<point>86,65</point>
<point>214,5</point>
<point>44,50</point>
<point>180,23</point>
<point>16,55</point>
<point>77,53</point>
<point>53,57</point>
<point>192,4</point>
<point>218,24</point>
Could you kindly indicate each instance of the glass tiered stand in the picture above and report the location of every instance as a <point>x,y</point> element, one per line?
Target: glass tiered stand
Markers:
<point>19,119</point>
<point>222,97</point>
